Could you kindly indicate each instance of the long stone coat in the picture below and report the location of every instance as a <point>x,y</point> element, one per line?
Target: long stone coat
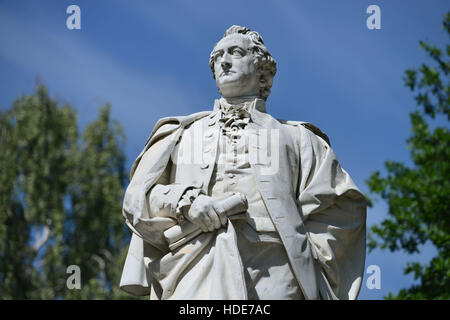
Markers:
<point>316,208</point>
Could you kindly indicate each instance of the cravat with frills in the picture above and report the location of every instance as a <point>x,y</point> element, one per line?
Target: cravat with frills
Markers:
<point>233,121</point>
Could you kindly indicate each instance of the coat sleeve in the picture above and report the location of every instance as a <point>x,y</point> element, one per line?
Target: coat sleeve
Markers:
<point>334,213</point>
<point>164,197</point>
<point>148,169</point>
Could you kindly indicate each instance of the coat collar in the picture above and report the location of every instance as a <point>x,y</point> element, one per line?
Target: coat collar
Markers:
<point>251,105</point>
<point>256,109</point>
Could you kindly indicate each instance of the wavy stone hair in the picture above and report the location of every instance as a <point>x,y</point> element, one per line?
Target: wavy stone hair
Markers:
<point>264,62</point>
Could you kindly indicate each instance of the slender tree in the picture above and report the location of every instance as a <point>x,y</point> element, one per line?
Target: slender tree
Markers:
<point>60,201</point>
<point>95,235</point>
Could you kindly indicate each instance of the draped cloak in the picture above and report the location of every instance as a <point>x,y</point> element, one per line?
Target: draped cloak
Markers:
<point>318,211</point>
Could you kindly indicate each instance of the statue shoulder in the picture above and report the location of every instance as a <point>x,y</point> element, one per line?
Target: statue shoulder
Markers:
<point>311,128</point>
<point>181,120</point>
<point>168,124</point>
<point>165,127</point>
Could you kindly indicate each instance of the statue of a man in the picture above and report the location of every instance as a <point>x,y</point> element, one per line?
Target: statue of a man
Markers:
<point>235,204</point>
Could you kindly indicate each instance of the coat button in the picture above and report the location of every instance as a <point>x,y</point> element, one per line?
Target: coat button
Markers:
<point>166,189</point>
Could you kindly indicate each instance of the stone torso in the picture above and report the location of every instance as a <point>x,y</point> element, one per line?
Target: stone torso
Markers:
<point>233,173</point>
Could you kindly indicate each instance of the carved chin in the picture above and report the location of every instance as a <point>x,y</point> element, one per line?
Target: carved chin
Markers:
<point>229,88</point>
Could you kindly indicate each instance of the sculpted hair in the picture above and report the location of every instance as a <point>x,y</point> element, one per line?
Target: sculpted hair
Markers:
<point>264,62</point>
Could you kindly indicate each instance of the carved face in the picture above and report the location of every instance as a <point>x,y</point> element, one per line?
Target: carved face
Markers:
<point>234,67</point>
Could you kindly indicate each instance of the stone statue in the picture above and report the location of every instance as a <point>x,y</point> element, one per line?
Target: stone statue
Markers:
<point>235,204</point>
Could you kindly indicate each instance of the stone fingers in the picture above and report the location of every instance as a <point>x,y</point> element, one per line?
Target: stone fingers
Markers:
<point>221,214</point>
<point>207,214</point>
<point>212,220</point>
<point>215,218</point>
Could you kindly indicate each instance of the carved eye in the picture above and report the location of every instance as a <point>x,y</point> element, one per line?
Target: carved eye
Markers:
<point>237,52</point>
<point>217,56</point>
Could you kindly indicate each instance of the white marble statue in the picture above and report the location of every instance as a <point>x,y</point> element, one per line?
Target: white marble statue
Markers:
<point>235,204</point>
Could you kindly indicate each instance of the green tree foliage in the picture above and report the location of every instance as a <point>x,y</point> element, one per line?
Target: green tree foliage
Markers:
<point>419,196</point>
<point>60,201</point>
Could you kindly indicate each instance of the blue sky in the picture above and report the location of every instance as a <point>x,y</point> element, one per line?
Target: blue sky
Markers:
<point>149,59</point>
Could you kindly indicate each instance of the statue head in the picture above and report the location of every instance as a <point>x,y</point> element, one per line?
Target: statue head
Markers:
<point>242,65</point>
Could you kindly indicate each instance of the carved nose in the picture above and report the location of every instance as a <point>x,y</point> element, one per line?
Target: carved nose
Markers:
<point>225,65</point>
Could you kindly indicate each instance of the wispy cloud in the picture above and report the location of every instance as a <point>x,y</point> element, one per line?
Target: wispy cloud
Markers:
<point>74,66</point>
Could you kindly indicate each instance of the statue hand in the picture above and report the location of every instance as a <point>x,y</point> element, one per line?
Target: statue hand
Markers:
<point>205,213</point>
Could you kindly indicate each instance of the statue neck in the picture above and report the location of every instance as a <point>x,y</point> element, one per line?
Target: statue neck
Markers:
<point>238,100</point>
<point>248,102</point>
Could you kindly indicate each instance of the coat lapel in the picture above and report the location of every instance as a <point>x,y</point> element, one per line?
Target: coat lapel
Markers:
<point>277,191</point>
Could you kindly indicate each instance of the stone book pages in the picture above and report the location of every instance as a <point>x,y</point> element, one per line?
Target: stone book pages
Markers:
<point>234,206</point>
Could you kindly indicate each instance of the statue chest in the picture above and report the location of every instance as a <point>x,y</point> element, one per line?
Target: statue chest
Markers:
<point>264,150</point>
